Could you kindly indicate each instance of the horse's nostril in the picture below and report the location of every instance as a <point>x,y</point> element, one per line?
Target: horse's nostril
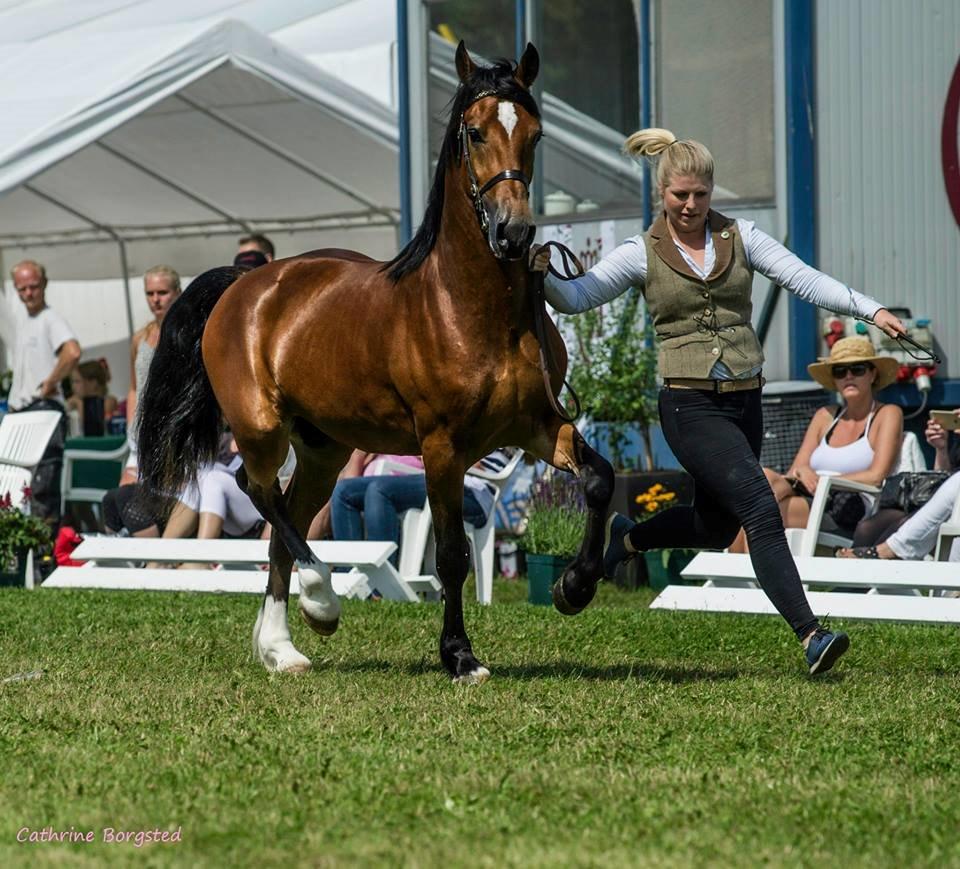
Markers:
<point>501,231</point>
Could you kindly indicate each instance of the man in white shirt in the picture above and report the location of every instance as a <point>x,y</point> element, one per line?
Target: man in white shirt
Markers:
<point>44,352</point>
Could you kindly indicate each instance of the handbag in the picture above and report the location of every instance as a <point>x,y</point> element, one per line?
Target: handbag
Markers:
<point>846,508</point>
<point>910,490</point>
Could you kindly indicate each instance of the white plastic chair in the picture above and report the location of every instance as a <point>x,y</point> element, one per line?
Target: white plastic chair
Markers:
<point>23,441</point>
<point>417,545</point>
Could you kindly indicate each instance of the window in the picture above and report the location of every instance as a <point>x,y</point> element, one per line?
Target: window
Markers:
<point>715,84</point>
<point>589,90</point>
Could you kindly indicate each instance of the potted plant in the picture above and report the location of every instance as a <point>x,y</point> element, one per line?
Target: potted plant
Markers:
<point>553,532</point>
<point>19,533</point>
<point>663,565</point>
<point>613,368</point>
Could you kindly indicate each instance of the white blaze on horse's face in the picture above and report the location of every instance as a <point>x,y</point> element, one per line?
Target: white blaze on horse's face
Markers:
<point>507,115</point>
<point>501,135</point>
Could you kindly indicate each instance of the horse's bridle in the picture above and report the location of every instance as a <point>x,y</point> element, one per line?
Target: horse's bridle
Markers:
<point>476,190</point>
<point>572,266</point>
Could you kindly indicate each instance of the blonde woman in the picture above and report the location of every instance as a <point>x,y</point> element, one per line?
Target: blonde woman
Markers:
<point>161,285</point>
<point>695,267</point>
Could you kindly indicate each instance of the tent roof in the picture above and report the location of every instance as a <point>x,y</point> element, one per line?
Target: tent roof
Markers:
<point>188,129</point>
<point>163,124</point>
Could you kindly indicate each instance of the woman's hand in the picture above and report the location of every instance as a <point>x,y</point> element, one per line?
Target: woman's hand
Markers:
<point>890,324</point>
<point>539,258</point>
<point>806,477</point>
<point>936,435</point>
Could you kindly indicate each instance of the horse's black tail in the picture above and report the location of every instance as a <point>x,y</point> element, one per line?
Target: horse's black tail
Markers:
<point>179,420</point>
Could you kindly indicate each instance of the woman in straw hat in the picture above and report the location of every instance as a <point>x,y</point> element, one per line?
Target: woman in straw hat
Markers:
<point>695,268</point>
<point>858,439</point>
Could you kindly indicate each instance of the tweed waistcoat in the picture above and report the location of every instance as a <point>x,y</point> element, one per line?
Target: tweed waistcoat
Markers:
<point>697,321</point>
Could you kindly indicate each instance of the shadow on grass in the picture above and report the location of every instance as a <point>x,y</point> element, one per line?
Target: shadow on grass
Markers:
<point>618,673</point>
<point>560,670</point>
<point>572,670</point>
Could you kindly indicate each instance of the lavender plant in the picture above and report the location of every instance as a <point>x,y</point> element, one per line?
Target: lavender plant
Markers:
<point>555,519</point>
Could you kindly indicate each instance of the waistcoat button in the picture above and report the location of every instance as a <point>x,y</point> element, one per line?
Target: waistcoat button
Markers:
<point>715,351</point>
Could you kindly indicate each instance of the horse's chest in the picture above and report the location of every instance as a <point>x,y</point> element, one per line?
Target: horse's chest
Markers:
<point>519,378</point>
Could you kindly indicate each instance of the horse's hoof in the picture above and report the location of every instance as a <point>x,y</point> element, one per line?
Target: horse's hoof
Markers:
<point>324,628</point>
<point>285,659</point>
<point>563,603</point>
<point>477,677</point>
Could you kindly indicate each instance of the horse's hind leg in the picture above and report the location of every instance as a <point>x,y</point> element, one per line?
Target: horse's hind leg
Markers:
<point>271,636</point>
<point>309,490</point>
<point>445,470</point>
<point>564,447</point>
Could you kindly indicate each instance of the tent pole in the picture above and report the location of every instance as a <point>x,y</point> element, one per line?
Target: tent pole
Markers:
<point>124,267</point>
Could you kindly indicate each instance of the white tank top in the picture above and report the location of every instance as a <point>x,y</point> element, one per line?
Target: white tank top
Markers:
<point>848,459</point>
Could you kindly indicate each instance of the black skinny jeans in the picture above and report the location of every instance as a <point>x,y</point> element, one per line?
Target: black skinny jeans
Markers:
<point>717,438</point>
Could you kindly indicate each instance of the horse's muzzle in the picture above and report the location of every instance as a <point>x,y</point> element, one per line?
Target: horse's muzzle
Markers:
<point>511,239</point>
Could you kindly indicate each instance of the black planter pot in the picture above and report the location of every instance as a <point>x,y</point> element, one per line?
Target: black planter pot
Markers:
<point>627,486</point>
<point>15,574</point>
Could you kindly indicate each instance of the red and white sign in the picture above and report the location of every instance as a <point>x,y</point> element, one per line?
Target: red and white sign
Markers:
<point>949,149</point>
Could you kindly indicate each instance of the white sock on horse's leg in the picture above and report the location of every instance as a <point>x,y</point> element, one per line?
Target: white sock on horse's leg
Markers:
<point>319,603</point>
<point>272,641</point>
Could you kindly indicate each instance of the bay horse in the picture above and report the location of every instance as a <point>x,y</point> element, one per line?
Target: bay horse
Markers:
<point>433,353</point>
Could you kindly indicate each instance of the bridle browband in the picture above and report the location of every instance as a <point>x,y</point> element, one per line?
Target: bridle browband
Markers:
<point>476,189</point>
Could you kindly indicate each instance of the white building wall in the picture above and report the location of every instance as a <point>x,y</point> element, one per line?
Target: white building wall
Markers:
<point>884,222</point>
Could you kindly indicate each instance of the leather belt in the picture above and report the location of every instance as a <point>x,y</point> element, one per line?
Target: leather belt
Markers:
<point>710,385</point>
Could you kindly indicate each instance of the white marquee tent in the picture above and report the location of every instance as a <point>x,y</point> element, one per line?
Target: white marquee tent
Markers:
<point>159,131</point>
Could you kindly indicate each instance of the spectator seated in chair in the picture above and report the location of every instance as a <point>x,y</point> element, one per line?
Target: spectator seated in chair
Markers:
<point>892,533</point>
<point>369,507</point>
<point>858,440</point>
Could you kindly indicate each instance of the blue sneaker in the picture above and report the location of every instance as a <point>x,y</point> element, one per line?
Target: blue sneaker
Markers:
<point>614,552</point>
<point>824,648</point>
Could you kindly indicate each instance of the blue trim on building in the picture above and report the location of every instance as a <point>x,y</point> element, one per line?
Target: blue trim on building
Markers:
<point>646,102</point>
<point>520,28</point>
<point>403,112</point>
<point>945,393</point>
<point>801,172</point>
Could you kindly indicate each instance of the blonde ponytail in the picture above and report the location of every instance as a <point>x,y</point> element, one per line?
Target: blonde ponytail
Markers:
<point>649,143</point>
<point>676,157</point>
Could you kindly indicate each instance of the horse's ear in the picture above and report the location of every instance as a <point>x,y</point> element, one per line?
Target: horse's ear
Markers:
<point>465,64</point>
<point>528,67</point>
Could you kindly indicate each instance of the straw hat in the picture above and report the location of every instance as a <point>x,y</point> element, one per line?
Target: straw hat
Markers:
<point>848,351</point>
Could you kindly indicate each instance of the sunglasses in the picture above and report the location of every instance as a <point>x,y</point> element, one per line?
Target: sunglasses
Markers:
<point>858,369</point>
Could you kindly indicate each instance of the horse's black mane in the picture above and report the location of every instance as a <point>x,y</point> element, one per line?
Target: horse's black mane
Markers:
<point>499,79</point>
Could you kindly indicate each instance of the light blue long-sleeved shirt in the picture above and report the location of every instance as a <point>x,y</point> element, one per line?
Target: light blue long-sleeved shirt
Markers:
<point>626,266</point>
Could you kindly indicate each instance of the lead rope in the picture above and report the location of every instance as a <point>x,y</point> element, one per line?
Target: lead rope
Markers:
<point>572,268</point>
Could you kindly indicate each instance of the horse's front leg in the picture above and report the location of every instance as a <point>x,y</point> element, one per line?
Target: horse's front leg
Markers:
<point>445,469</point>
<point>564,447</point>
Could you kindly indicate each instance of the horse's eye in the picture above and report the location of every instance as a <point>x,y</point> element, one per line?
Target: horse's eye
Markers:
<point>475,135</point>
<point>537,138</point>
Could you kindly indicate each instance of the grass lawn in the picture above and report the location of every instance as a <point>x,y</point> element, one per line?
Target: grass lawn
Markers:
<point>621,737</point>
